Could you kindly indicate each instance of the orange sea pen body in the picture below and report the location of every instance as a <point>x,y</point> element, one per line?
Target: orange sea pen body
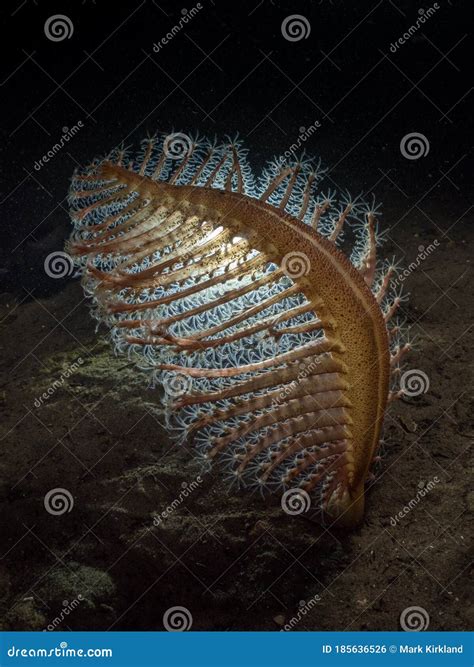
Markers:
<point>282,337</point>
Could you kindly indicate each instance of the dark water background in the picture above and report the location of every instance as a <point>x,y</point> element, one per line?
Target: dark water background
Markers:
<point>229,70</point>
<point>232,559</point>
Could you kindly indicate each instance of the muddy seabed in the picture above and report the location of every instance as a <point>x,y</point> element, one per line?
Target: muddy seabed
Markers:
<point>235,561</point>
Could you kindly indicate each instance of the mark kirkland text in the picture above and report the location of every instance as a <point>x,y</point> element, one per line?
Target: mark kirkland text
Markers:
<point>431,648</point>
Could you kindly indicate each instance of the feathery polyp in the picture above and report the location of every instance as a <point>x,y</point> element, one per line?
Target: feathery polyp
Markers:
<point>271,344</point>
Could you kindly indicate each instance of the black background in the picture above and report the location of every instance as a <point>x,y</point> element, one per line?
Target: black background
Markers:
<point>233,560</point>
<point>230,70</point>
